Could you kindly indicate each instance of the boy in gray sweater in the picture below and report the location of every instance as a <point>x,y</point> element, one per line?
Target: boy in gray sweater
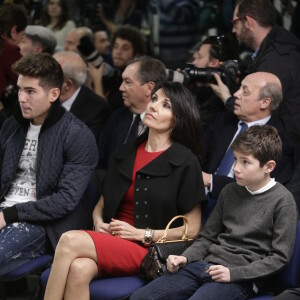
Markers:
<point>249,236</point>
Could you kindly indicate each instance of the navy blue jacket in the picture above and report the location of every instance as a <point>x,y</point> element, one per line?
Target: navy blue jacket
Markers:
<point>67,155</point>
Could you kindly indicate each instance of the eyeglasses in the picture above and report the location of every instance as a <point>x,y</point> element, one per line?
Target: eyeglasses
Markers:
<point>234,21</point>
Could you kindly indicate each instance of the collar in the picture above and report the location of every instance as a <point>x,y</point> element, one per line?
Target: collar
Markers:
<point>175,155</point>
<point>254,54</point>
<point>67,104</point>
<point>269,185</point>
<point>257,122</point>
<point>56,112</point>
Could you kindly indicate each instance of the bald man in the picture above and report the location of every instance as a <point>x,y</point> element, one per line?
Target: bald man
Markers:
<point>259,95</point>
<point>76,97</point>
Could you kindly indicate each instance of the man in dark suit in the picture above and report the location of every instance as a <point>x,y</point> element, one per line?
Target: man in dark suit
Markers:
<point>77,97</point>
<point>139,79</point>
<point>259,95</point>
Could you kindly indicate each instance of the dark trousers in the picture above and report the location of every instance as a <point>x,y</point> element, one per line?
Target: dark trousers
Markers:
<point>191,282</point>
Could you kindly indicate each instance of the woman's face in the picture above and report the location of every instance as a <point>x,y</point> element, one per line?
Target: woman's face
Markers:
<point>159,114</point>
<point>54,8</point>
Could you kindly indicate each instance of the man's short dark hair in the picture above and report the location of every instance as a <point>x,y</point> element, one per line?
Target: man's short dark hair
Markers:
<point>261,141</point>
<point>262,11</point>
<point>133,35</point>
<point>151,69</point>
<point>43,67</point>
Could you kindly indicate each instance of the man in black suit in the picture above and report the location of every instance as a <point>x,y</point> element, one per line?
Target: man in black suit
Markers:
<point>76,97</point>
<point>138,81</point>
<point>259,95</point>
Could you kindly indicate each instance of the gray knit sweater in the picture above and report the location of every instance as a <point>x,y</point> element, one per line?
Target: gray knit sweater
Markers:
<point>252,235</point>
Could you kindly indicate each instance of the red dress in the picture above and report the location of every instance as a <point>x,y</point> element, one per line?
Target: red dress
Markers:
<point>116,256</point>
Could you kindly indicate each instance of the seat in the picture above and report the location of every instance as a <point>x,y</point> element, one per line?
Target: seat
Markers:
<point>289,277</point>
<point>108,288</point>
<point>35,265</point>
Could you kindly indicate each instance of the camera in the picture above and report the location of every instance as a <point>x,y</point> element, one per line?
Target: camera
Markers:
<point>227,71</point>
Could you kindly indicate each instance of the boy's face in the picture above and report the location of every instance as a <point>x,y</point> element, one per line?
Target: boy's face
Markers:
<point>248,172</point>
<point>34,101</point>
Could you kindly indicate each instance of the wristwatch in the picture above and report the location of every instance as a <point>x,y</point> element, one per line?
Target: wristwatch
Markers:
<point>148,236</point>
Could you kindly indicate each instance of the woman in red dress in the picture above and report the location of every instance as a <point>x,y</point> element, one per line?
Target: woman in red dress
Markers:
<point>147,183</point>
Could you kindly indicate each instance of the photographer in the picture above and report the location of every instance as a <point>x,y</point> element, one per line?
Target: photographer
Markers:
<point>214,54</point>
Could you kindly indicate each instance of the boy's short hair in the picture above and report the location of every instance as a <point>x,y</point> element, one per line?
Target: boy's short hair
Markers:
<point>43,67</point>
<point>261,141</point>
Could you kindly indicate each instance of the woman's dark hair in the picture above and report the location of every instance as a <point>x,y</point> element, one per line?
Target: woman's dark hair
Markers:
<point>64,17</point>
<point>12,15</point>
<point>187,128</point>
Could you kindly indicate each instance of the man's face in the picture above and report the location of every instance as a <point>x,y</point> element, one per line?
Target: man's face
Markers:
<point>202,57</point>
<point>34,101</point>
<point>247,103</point>
<point>135,95</point>
<point>27,47</point>
<point>243,34</point>
<point>122,52</point>
<point>102,43</point>
<point>248,172</point>
<point>72,41</point>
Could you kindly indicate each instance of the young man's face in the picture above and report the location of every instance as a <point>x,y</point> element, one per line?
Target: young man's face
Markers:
<point>248,172</point>
<point>122,52</point>
<point>34,101</point>
<point>135,95</point>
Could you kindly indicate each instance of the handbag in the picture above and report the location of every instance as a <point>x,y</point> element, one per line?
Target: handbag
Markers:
<point>154,263</point>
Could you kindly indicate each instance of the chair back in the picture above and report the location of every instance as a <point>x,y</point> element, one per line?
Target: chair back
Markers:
<point>290,276</point>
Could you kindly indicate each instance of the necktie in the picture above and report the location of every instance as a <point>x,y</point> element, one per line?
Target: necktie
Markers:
<point>133,129</point>
<point>227,161</point>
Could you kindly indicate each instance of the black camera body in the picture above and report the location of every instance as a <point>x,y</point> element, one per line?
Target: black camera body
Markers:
<point>228,72</point>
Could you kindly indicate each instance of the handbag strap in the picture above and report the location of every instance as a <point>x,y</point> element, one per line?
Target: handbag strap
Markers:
<point>186,226</point>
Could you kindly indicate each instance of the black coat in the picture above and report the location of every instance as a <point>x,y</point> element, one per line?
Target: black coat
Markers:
<point>91,109</point>
<point>279,54</point>
<point>113,134</point>
<point>217,138</point>
<point>169,185</point>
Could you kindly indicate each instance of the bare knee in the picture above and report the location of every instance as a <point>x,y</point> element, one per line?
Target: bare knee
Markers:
<point>67,243</point>
<point>82,271</point>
